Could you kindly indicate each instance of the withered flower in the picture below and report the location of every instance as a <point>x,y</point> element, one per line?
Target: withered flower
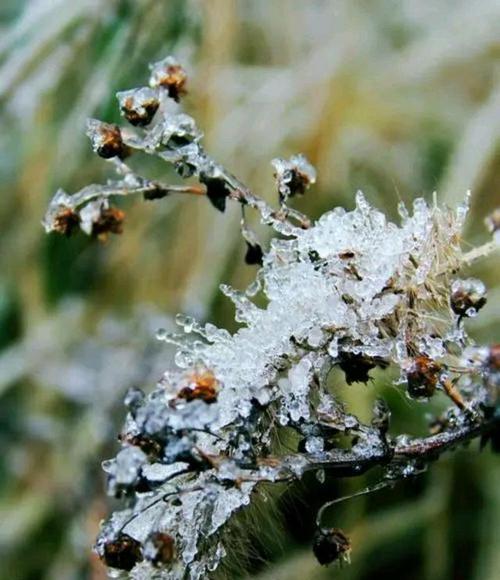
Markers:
<point>203,386</point>
<point>139,106</point>
<point>66,222</point>
<point>422,376</point>
<point>170,75</point>
<point>110,222</point>
<point>331,545</point>
<point>123,553</point>
<point>106,139</point>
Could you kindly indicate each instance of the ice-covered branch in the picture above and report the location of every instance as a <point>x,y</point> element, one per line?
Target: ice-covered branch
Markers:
<point>351,291</point>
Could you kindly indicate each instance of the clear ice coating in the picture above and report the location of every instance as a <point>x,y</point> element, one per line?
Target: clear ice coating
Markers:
<point>351,290</point>
<point>337,290</point>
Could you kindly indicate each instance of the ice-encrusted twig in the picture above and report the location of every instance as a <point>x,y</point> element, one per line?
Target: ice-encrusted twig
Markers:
<point>351,290</point>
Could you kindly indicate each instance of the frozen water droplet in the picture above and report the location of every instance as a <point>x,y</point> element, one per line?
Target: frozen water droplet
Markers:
<point>161,334</point>
<point>187,322</point>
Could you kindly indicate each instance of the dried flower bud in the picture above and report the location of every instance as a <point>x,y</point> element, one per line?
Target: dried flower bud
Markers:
<point>170,75</point>
<point>66,221</point>
<point>203,386</point>
<point>138,106</point>
<point>357,366</point>
<point>254,254</point>
<point>422,376</point>
<point>110,222</point>
<point>159,549</point>
<point>106,139</point>
<point>331,545</point>
<point>293,176</point>
<point>123,553</point>
<point>467,296</point>
<point>217,191</point>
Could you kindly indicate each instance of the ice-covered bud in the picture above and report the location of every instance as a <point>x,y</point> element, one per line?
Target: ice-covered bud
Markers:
<point>293,176</point>
<point>170,75</point>
<point>138,106</point>
<point>422,376</point>
<point>179,130</point>
<point>66,221</point>
<point>122,553</point>
<point>202,386</point>
<point>125,471</point>
<point>100,220</point>
<point>254,254</point>
<point>159,549</point>
<point>331,545</point>
<point>106,139</point>
<point>467,296</point>
<point>493,224</point>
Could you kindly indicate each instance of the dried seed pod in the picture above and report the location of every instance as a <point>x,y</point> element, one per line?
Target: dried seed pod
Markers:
<point>203,386</point>
<point>422,376</point>
<point>357,366</point>
<point>170,75</point>
<point>123,553</point>
<point>66,221</point>
<point>331,545</point>
<point>159,549</point>
<point>217,191</point>
<point>467,296</point>
<point>254,254</point>
<point>110,222</point>
<point>293,176</point>
<point>106,139</point>
<point>138,106</point>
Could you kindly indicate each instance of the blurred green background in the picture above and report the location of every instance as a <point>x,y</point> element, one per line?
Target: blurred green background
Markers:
<point>397,98</point>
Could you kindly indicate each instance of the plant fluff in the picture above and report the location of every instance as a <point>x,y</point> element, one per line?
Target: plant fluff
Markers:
<point>352,290</point>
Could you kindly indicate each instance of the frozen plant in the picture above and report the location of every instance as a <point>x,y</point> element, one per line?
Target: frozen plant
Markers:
<point>351,290</point>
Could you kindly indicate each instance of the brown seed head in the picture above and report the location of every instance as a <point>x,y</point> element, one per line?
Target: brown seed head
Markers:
<point>331,545</point>
<point>123,553</point>
<point>422,376</point>
<point>140,115</point>
<point>110,222</point>
<point>171,76</point>
<point>66,222</point>
<point>107,142</point>
<point>203,386</point>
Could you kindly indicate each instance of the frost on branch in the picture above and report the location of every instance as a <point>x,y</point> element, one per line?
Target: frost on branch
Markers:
<point>352,291</point>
